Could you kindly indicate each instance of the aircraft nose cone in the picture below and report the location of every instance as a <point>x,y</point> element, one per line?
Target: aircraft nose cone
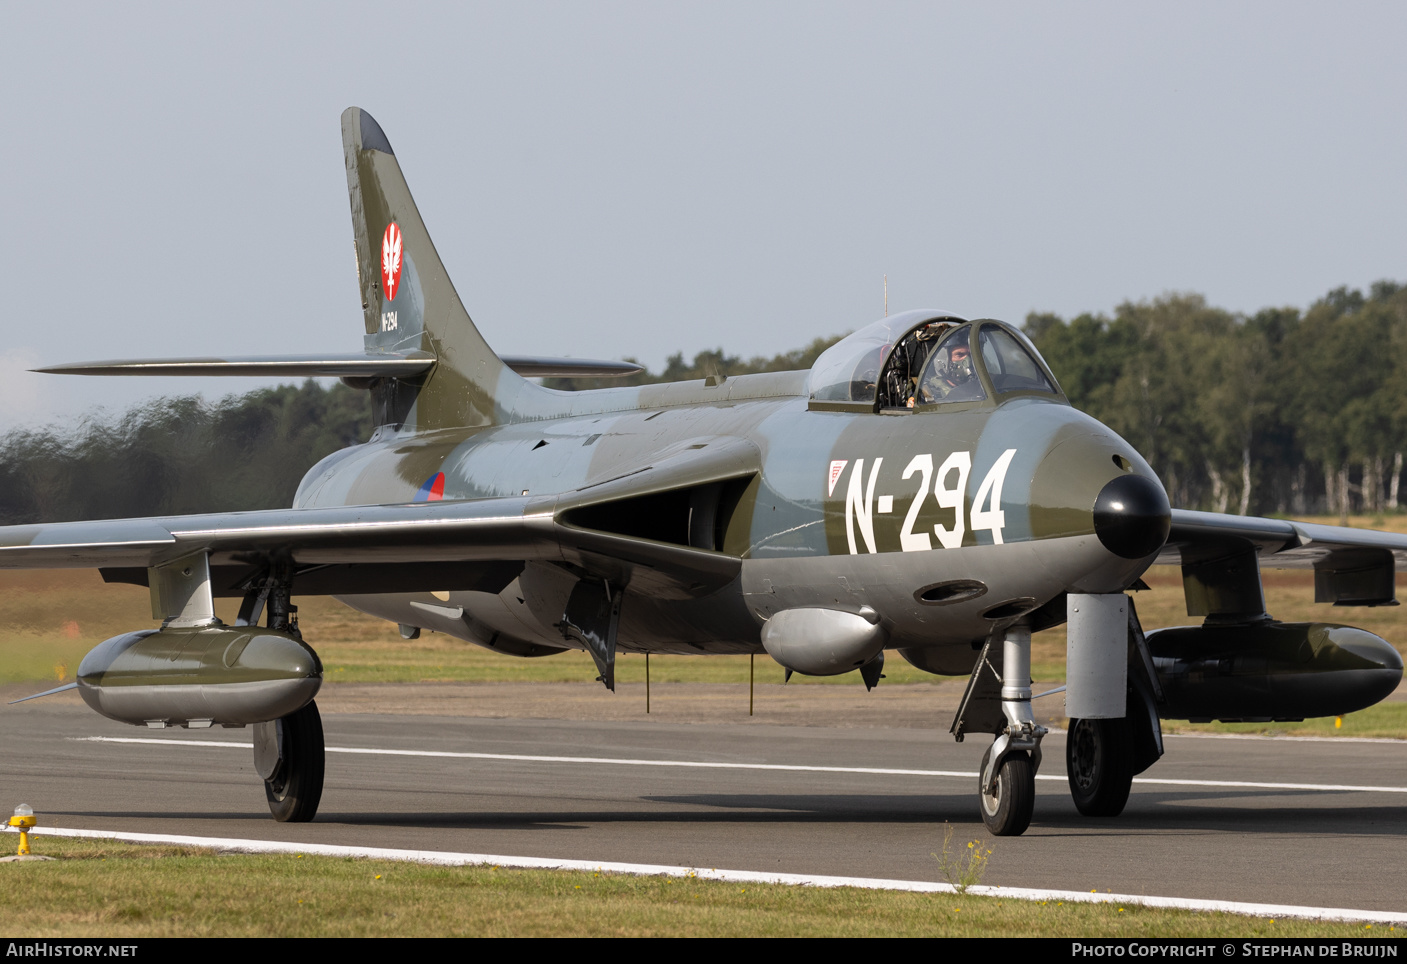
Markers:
<point>1132,516</point>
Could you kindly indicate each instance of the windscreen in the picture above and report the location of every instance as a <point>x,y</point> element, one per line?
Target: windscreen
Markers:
<point>1010,367</point>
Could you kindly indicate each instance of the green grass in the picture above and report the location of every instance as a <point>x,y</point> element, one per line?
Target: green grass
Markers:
<point>40,659</point>
<point>435,658</point>
<point>109,889</point>
<point>1383,720</point>
<point>53,618</point>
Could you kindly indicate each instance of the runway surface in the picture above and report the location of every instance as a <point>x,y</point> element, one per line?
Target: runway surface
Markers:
<point>863,801</point>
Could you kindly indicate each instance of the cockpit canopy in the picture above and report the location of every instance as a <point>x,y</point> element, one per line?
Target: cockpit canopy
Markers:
<point>848,371</point>
<point>922,358</point>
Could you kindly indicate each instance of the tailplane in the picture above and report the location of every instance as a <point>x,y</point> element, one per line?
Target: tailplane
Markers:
<point>410,305</point>
<point>425,363</point>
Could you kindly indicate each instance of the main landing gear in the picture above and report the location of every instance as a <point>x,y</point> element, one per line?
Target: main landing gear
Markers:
<point>1102,756</point>
<point>289,755</point>
<point>1099,764</point>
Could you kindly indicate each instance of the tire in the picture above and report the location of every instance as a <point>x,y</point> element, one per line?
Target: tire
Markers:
<point>296,789</point>
<point>1099,766</point>
<point>1007,812</point>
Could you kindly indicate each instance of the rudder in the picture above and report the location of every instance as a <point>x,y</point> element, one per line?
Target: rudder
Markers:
<point>410,303</point>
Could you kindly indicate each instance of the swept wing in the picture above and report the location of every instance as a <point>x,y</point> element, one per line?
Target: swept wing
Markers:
<point>1221,553</point>
<point>472,544</point>
<point>1282,544</point>
<point>406,364</point>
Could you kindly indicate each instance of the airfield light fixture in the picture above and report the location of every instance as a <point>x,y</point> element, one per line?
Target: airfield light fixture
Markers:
<point>22,821</point>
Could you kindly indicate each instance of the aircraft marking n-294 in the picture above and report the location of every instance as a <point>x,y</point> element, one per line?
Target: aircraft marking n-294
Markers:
<point>925,490</point>
<point>946,489</point>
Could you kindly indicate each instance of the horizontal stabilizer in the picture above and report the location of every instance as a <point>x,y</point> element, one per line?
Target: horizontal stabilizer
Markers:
<point>348,365</point>
<point>534,366</point>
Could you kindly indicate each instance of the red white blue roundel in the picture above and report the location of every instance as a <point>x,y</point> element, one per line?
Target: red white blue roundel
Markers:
<point>433,490</point>
<point>391,260</point>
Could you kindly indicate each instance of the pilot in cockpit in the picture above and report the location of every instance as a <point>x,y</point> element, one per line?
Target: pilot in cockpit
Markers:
<point>901,372</point>
<point>949,376</point>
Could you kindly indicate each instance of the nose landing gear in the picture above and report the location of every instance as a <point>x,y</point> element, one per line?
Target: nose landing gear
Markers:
<point>1009,799</point>
<point>1000,703</point>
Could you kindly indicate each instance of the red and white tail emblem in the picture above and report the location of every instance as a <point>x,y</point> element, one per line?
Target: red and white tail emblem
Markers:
<point>837,467</point>
<point>391,260</point>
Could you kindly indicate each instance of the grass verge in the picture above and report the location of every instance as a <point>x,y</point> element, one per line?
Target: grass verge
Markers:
<point>109,889</point>
<point>54,618</point>
<point>1385,720</point>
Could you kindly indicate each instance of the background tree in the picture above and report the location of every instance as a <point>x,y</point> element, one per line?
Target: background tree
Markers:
<point>1279,412</point>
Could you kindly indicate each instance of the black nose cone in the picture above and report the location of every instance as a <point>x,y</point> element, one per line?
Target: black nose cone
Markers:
<point>1132,516</point>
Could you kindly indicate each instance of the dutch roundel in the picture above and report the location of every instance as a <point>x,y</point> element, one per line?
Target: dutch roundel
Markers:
<point>433,490</point>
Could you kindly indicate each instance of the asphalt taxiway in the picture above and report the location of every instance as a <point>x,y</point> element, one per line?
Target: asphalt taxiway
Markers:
<point>1275,821</point>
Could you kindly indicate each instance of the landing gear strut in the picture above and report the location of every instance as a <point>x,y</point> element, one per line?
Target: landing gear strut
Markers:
<point>288,753</point>
<point>1007,784</point>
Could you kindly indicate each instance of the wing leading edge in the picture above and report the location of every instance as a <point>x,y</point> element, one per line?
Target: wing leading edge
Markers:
<point>1221,555</point>
<point>473,544</point>
<point>1281,544</point>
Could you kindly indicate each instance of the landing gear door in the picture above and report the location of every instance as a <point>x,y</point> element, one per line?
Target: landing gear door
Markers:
<point>1096,667</point>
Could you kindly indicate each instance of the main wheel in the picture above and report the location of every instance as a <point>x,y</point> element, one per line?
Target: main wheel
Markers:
<point>295,787</point>
<point>1099,766</point>
<point>1007,810</point>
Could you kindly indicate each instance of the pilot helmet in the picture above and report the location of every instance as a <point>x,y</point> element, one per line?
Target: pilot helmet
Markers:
<point>959,370</point>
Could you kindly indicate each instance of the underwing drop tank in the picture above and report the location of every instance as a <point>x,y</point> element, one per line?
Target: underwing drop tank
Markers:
<point>823,642</point>
<point>1259,672</point>
<point>219,675</point>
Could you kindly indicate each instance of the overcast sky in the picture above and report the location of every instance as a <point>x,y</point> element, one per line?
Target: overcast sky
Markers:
<point>612,179</point>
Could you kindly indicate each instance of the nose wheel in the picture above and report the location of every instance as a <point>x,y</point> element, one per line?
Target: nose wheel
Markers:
<point>1007,804</point>
<point>289,755</point>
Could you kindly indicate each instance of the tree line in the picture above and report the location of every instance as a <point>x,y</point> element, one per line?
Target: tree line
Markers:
<point>184,455</point>
<point>1281,412</point>
<point>179,455</point>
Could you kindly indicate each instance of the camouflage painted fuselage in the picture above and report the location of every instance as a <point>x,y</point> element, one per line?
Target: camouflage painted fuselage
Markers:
<point>843,514</point>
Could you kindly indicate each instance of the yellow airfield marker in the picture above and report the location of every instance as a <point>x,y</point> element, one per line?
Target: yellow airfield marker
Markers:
<point>22,821</point>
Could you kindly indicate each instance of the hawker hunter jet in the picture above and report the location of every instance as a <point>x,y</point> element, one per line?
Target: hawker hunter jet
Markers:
<point>925,490</point>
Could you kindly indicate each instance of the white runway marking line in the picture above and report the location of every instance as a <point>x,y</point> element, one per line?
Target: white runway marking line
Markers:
<point>730,876</point>
<point>707,765</point>
<point>1265,737</point>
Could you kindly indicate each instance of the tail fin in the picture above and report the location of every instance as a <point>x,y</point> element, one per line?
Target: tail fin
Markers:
<point>410,304</point>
